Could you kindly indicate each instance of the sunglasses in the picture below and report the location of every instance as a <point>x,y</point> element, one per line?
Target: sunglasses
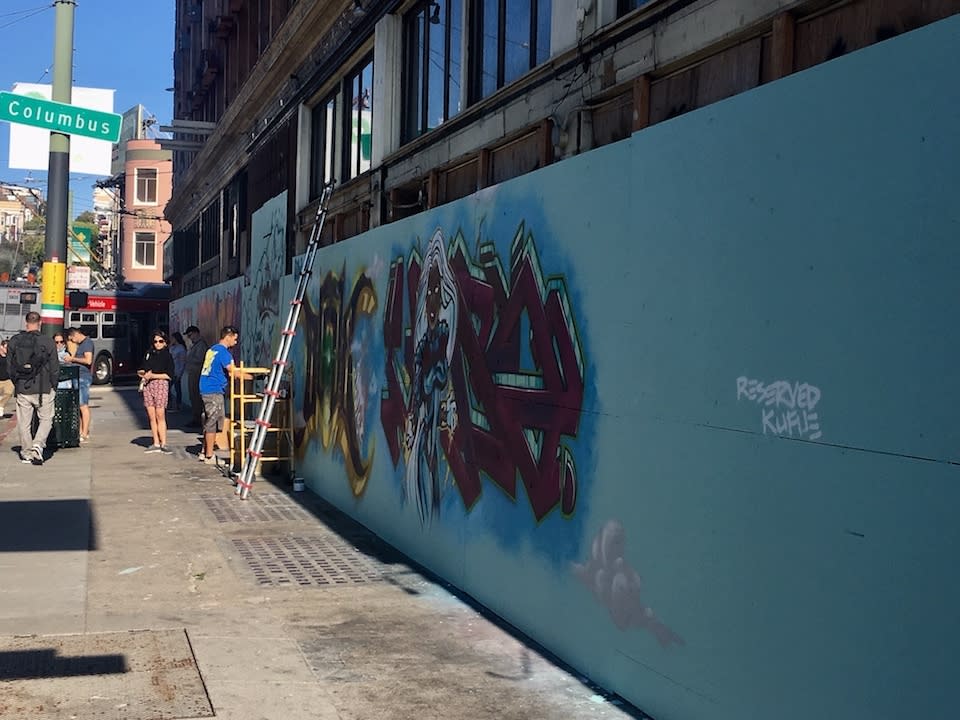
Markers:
<point>59,342</point>
<point>161,341</point>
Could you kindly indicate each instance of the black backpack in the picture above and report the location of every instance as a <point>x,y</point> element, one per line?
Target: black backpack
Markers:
<point>27,358</point>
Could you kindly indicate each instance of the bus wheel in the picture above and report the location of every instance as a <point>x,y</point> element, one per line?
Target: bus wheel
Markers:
<point>102,370</point>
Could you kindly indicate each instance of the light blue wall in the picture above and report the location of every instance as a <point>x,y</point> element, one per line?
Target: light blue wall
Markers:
<point>806,232</point>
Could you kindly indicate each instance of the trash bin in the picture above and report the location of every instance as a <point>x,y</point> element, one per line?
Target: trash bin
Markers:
<point>66,412</point>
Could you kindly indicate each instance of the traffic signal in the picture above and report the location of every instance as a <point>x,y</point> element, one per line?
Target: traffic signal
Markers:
<point>77,299</point>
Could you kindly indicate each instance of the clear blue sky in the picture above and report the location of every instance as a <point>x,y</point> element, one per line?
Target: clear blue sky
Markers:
<point>123,45</point>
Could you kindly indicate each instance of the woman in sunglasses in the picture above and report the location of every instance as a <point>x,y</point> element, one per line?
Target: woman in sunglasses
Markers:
<point>62,352</point>
<point>155,375</point>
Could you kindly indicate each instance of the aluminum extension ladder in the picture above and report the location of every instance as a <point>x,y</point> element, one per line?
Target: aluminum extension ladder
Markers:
<point>271,390</point>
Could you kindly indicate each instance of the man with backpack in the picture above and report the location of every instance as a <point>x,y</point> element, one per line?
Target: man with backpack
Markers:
<point>34,370</point>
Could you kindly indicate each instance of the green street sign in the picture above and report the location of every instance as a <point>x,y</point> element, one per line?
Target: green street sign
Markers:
<point>59,117</point>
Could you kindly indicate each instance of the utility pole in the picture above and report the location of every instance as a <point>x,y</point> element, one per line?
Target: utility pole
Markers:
<point>54,280</point>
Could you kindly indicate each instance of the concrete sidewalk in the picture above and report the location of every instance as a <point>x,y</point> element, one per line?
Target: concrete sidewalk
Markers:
<point>137,586</point>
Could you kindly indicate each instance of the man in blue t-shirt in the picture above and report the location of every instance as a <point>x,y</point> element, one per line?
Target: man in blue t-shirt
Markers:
<point>82,357</point>
<point>217,369</point>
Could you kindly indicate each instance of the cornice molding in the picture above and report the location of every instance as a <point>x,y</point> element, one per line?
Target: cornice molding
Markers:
<point>225,152</point>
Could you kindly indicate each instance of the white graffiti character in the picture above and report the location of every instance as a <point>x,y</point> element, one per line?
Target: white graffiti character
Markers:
<point>432,406</point>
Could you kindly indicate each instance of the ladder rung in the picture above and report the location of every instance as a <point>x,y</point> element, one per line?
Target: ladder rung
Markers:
<point>263,424</point>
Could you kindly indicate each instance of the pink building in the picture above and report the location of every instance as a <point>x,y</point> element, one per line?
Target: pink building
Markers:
<point>148,182</point>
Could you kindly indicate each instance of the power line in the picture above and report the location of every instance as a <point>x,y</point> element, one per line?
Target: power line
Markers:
<point>27,10</point>
<point>26,15</point>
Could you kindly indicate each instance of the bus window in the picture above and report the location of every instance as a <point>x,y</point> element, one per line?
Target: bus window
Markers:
<point>87,322</point>
<point>113,330</point>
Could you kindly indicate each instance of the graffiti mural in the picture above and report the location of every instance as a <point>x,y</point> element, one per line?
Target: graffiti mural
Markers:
<point>209,309</point>
<point>787,409</point>
<point>431,406</point>
<point>484,375</point>
<point>338,377</point>
<point>268,252</point>
<point>616,585</point>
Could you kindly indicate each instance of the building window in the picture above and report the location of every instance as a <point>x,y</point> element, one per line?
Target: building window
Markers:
<point>431,83</point>
<point>358,121</point>
<point>144,250</point>
<point>342,132</point>
<point>146,185</point>
<point>211,231</point>
<point>626,6</point>
<point>511,37</point>
<point>322,145</point>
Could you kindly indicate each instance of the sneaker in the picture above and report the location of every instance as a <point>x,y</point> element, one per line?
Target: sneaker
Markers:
<point>165,450</point>
<point>84,438</point>
<point>153,449</point>
<point>212,460</point>
<point>36,455</point>
<point>26,460</point>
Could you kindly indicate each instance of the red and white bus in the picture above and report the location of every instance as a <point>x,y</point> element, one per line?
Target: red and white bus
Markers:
<point>119,322</point>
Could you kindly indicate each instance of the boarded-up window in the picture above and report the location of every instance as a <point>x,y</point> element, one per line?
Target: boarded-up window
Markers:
<point>458,181</point>
<point>858,25</point>
<point>720,76</point>
<point>613,120</point>
<point>515,158</point>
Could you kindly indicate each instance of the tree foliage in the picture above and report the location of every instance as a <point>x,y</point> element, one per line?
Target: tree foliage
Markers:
<point>33,249</point>
<point>14,257</point>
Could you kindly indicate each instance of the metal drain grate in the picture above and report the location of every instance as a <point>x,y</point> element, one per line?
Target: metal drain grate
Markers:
<point>265,507</point>
<point>314,560</point>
